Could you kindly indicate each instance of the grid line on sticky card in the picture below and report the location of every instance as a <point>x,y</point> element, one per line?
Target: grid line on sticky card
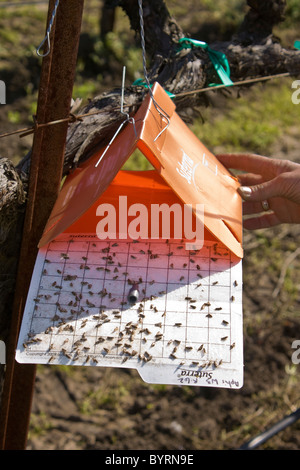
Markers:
<point>78,310</point>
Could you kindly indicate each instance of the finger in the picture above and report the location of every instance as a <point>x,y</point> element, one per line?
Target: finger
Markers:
<point>250,207</point>
<point>260,192</point>
<point>262,221</point>
<point>253,163</point>
<point>249,179</point>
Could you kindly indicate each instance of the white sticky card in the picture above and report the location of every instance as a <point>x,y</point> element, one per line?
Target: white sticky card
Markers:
<point>185,327</point>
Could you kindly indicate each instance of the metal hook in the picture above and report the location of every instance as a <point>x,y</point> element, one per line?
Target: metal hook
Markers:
<point>128,119</point>
<point>111,141</point>
<point>164,115</point>
<point>46,38</point>
<point>122,92</point>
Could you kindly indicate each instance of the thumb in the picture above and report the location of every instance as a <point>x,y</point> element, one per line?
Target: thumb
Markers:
<point>261,191</point>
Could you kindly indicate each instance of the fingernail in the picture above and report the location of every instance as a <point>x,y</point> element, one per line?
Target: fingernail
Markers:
<point>244,191</point>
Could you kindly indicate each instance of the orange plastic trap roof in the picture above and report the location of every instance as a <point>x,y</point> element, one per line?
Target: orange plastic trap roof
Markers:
<point>185,171</point>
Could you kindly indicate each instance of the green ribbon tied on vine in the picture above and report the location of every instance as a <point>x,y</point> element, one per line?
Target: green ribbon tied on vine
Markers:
<point>218,59</point>
<point>297,45</point>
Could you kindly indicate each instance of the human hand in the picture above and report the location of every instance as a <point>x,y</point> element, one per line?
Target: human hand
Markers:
<point>267,181</point>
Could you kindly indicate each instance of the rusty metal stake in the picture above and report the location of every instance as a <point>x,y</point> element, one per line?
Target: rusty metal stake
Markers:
<point>55,93</point>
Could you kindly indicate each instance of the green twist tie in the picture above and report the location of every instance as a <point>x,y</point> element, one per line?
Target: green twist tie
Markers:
<point>218,59</point>
<point>140,82</point>
<point>297,44</point>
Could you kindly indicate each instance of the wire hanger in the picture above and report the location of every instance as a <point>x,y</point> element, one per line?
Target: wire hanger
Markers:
<point>47,37</point>
<point>158,108</point>
<point>128,119</point>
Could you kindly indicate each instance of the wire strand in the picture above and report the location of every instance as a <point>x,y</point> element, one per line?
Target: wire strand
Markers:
<point>239,83</point>
<point>20,4</point>
<point>72,118</point>
<point>158,108</point>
